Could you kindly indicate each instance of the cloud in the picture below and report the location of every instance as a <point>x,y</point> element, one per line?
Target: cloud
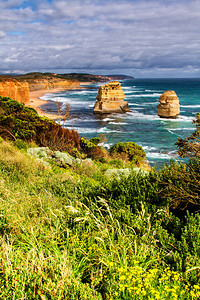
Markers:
<point>136,36</point>
<point>2,34</point>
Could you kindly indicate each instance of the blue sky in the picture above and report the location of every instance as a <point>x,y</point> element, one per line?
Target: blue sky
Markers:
<point>143,38</point>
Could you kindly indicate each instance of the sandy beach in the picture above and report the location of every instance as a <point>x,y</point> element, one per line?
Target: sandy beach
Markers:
<point>37,103</point>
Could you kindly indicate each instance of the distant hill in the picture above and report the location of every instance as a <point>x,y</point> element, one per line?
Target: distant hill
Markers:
<point>120,77</point>
<point>82,77</point>
<point>95,78</point>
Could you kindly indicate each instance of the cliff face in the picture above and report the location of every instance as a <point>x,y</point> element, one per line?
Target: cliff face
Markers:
<point>15,90</point>
<point>52,84</point>
<point>19,90</point>
<point>169,105</point>
<point>110,99</point>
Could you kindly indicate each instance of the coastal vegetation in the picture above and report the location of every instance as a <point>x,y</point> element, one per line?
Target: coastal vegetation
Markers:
<point>74,233</point>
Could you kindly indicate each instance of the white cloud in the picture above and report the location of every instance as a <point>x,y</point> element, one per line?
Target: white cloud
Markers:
<point>141,36</point>
<point>2,34</point>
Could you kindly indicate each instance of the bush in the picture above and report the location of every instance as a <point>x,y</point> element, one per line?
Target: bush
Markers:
<point>93,151</point>
<point>95,140</point>
<point>178,186</point>
<point>20,122</point>
<point>135,153</point>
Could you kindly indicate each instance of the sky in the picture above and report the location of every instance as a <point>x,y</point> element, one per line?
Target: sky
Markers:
<point>142,38</point>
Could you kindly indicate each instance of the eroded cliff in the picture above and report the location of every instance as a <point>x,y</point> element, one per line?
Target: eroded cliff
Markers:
<point>18,87</point>
<point>46,84</point>
<point>169,105</point>
<point>15,90</point>
<point>110,99</point>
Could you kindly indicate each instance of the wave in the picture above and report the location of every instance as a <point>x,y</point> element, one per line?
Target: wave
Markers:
<point>191,106</point>
<point>118,123</point>
<point>108,119</point>
<point>134,104</point>
<point>146,95</point>
<point>153,91</point>
<point>149,148</point>
<point>158,155</point>
<point>141,116</point>
<point>71,101</point>
<point>178,119</point>
<point>131,87</point>
<point>150,103</point>
<point>84,92</point>
<point>95,130</point>
<point>180,129</point>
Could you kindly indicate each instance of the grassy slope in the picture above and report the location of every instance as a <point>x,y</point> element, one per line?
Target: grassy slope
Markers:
<point>67,235</point>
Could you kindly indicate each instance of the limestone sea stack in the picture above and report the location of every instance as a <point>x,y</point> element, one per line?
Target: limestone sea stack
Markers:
<point>110,99</point>
<point>169,105</point>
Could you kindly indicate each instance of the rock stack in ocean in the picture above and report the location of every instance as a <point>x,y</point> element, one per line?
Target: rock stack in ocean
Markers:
<point>169,105</point>
<point>110,99</point>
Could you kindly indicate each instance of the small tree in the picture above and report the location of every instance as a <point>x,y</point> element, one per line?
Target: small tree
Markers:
<point>190,147</point>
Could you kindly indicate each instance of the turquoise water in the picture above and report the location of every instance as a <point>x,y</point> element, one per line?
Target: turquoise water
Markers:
<point>141,125</point>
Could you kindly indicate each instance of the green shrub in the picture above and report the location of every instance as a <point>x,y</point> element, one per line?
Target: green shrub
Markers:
<point>135,153</point>
<point>178,187</point>
<point>86,145</point>
<point>95,140</point>
<point>20,122</point>
<point>93,151</point>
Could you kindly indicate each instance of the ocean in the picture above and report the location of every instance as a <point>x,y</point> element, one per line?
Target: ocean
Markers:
<point>141,125</point>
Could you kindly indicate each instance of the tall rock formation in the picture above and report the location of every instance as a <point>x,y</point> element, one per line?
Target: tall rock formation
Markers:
<point>110,99</point>
<point>15,90</point>
<point>169,105</point>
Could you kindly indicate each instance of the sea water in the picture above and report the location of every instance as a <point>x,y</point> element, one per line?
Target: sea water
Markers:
<point>141,125</point>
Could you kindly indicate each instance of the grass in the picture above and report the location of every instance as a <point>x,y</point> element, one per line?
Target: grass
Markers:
<point>75,234</point>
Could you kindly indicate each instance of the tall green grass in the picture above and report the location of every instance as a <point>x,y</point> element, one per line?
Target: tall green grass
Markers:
<point>75,234</point>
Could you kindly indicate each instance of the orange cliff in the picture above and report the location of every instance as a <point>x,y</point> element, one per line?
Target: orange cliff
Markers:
<point>46,84</point>
<point>15,90</point>
<point>19,90</point>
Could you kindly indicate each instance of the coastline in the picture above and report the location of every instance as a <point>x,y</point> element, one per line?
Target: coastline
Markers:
<point>37,103</point>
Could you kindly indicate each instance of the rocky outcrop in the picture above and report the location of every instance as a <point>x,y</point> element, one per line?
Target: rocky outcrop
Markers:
<point>169,105</point>
<point>15,90</point>
<point>37,85</point>
<point>110,99</point>
<point>62,159</point>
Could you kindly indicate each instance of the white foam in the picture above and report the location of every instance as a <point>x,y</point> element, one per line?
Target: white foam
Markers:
<point>106,130</point>
<point>130,87</point>
<point>191,106</point>
<point>134,104</point>
<point>85,130</point>
<point>180,129</point>
<point>108,119</point>
<point>150,103</point>
<point>84,92</point>
<point>159,155</point>
<point>146,95</point>
<point>118,123</point>
<point>138,116</point>
<point>153,91</point>
<point>107,145</point>
<point>179,119</point>
<point>149,148</point>
<point>71,101</point>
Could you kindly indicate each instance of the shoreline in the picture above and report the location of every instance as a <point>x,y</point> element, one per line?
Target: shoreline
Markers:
<point>37,103</point>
